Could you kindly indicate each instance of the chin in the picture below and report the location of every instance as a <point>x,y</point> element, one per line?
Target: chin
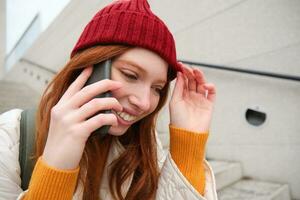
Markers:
<point>117,130</point>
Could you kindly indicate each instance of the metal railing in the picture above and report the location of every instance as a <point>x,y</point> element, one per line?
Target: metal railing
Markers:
<point>245,71</point>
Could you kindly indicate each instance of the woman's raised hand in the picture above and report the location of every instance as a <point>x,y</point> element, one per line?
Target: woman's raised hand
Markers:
<point>192,101</point>
<point>70,123</point>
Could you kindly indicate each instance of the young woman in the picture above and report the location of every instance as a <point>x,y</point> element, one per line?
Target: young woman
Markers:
<point>129,162</point>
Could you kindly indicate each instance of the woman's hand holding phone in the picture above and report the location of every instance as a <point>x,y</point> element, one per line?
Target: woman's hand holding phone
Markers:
<point>72,120</point>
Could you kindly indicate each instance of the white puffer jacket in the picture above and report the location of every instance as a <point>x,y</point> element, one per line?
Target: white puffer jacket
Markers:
<point>172,184</point>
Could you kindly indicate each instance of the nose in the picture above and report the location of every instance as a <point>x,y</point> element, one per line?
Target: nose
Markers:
<point>141,100</point>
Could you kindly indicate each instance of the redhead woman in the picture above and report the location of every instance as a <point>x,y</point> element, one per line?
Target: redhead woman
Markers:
<point>129,162</point>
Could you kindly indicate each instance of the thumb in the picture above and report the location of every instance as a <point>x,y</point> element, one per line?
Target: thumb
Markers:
<point>179,87</point>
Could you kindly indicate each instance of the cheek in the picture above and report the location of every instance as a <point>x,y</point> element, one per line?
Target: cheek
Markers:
<point>116,93</point>
<point>125,92</point>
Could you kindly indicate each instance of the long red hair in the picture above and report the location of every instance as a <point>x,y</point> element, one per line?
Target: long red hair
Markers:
<point>140,156</point>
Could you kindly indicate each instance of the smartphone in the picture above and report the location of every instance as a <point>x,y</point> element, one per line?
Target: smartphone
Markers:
<point>101,71</point>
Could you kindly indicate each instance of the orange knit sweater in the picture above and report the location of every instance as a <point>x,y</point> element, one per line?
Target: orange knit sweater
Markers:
<point>187,150</point>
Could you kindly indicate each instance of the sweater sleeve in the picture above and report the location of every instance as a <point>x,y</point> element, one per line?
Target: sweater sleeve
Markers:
<point>50,183</point>
<point>187,149</point>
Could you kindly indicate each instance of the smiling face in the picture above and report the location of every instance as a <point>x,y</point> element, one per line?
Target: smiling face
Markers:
<point>143,74</point>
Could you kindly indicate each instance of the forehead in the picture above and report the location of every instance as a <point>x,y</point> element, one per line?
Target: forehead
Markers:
<point>146,62</point>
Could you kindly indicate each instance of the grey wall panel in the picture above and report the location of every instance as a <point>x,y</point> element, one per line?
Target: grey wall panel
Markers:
<point>52,49</point>
<point>269,151</point>
<point>251,29</point>
<point>285,60</point>
<point>2,36</point>
<point>180,15</point>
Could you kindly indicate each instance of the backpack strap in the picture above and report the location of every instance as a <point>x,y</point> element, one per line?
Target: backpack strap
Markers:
<point>27,144</point>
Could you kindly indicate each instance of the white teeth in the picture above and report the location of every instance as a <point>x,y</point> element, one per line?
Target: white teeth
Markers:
<point>126,116</point>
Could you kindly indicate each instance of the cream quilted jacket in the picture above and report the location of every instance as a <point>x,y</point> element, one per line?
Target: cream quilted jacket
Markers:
<point>172,184</point>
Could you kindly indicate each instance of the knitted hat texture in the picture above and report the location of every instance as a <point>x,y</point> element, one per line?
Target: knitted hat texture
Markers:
<point>129,22</point>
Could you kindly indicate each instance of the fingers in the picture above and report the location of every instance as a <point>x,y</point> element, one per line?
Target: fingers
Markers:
<point>191,83</point>
<point>194,80</point>
<point>199,75</point>
<point>98,121</point>
<point>179,87</point>
<point>200,79</point>
<point>96,105</point>
<point>90,91</point>
<point>211,96</point>
<point>77,84</point>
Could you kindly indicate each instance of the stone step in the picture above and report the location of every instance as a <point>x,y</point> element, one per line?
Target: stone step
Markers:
<point>226,172</point>
<point>249,189</point>
<point>16,95</point>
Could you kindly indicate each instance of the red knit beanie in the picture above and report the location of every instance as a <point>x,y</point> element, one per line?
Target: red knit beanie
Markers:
<point>130,22</point>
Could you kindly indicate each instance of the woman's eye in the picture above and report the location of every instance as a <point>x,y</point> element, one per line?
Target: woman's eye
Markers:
<point>158,90</point>
<point>130,76</point>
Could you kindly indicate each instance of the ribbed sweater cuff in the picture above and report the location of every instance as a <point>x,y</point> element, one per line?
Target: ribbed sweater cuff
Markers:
<point>187,149</point>
<point>50,183</point>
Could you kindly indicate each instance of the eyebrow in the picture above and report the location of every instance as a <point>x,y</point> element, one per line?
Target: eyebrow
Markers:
<point>139,68</point>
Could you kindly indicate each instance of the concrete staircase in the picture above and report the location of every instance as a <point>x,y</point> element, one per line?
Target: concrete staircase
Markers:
<point>231,185</point>
<point>16,95</point>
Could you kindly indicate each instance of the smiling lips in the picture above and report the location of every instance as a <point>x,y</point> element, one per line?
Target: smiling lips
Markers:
<point>126,116</point>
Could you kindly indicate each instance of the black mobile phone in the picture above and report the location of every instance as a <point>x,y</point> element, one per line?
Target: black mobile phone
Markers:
<point>101,71</point>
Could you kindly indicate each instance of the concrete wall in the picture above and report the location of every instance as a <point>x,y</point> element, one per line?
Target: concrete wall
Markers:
<point>254,35</point>
<point>28,73</point>
<point>2,35</point>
